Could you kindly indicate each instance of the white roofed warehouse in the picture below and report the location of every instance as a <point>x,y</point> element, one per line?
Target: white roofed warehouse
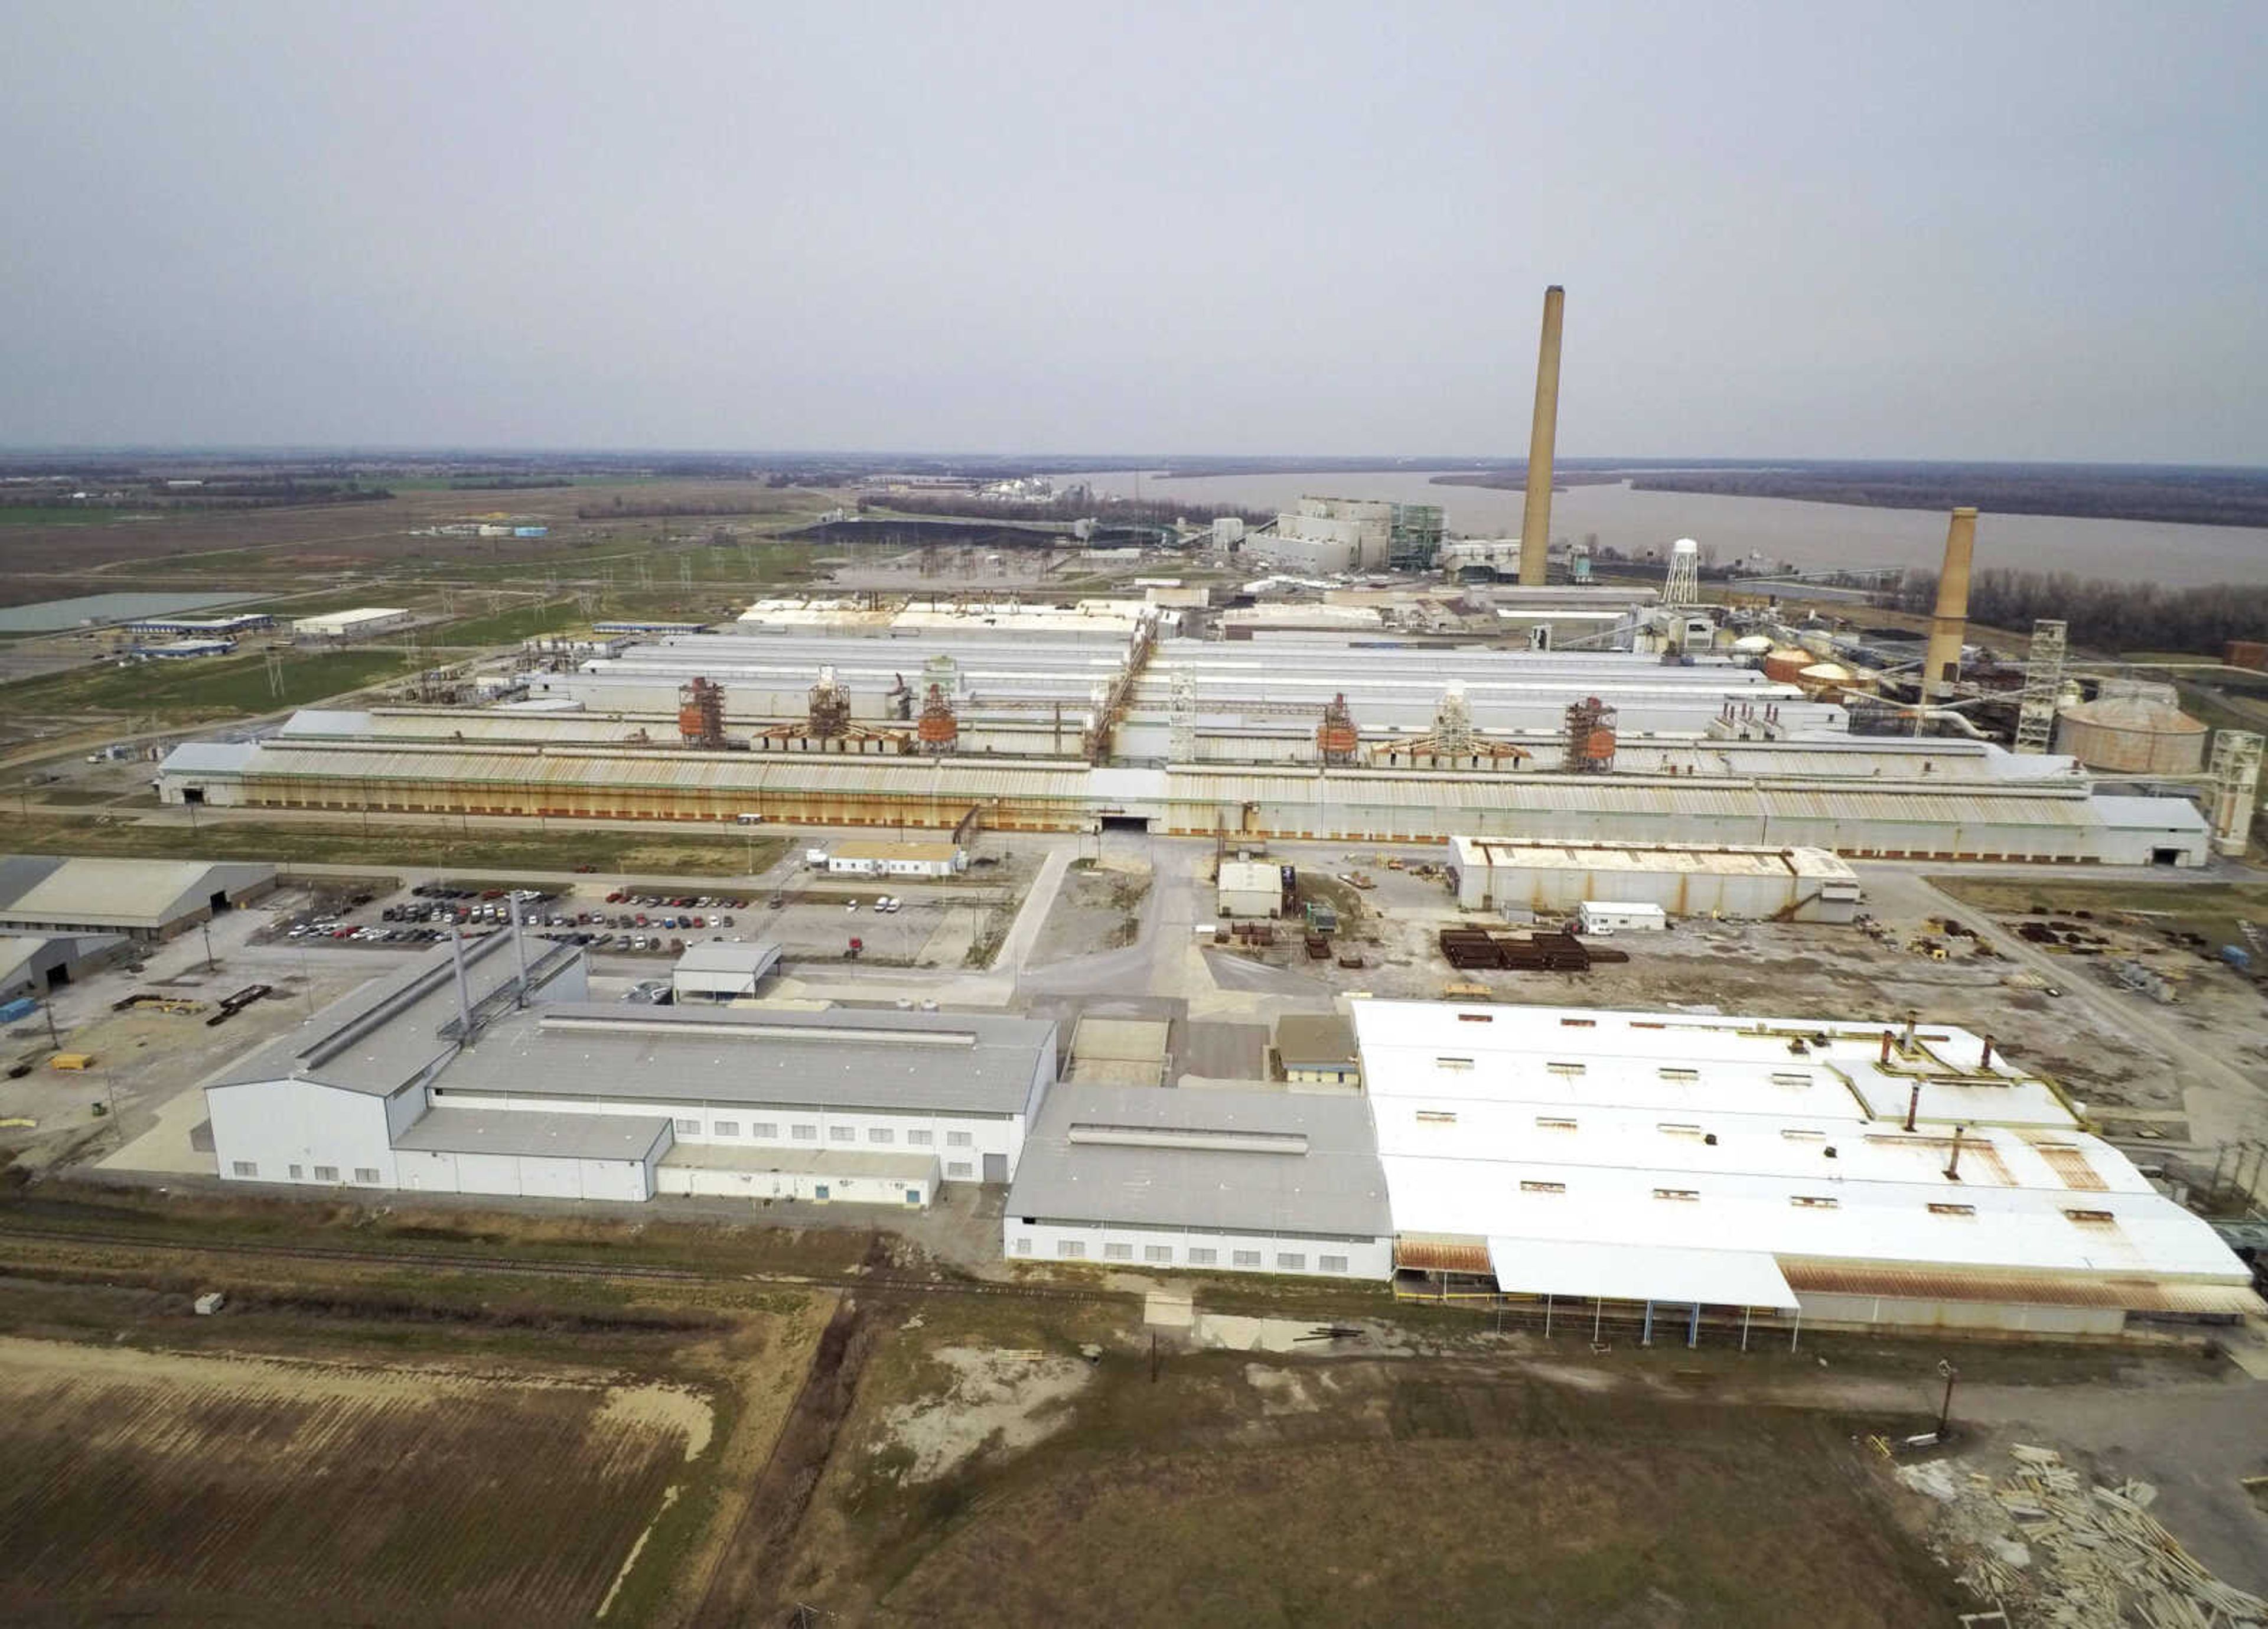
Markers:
<point>1764,1173</point>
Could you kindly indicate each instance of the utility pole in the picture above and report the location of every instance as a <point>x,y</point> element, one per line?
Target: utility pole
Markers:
<point>205,928</point>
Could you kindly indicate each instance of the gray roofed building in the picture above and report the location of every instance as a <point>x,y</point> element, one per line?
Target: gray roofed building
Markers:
<point>388,1032</point>
<point>548,1136</point>
<point>144,898</point>
<point>34,963</point>
<point>1225,1162</point>
<point>722,971</point>
<point>932,1062</point>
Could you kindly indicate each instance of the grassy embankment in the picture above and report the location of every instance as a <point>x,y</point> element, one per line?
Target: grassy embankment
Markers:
<point>388,844</point>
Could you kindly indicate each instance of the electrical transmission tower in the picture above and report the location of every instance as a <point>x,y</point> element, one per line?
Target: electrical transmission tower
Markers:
<point>2042,685</point>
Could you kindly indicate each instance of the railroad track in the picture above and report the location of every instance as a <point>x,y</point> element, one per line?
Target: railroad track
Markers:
<point>874,1283</point>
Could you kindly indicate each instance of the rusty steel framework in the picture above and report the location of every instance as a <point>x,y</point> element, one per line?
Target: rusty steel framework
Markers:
<point>1112,699</point>
<point>939,731</point>
<point>701,714</point>
<point>1336,737</point>
<point>1589,745</point>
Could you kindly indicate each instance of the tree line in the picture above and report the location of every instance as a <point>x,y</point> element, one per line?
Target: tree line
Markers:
<point>2108,615</point>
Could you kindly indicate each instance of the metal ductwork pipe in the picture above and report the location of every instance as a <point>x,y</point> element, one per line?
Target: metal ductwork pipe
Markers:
<point>1535,516</point>
<point>1947,628</point>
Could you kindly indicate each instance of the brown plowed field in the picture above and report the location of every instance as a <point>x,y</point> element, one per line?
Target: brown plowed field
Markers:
<point>169,1488</point>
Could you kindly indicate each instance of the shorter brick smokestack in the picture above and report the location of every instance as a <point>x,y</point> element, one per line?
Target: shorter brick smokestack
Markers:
<point>1950,625</point>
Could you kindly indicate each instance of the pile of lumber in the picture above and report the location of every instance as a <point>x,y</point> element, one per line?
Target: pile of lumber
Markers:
<point>2086,1557</point>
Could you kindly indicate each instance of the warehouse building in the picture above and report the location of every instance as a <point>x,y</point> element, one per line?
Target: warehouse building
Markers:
<point>144,899</point>
<point>1929,819</point>
<point>359,623</point>
<point>500,1081</point>
<point>1317,1050</point>
<point>721,972</point>
<point>32,964</point>
<point>1770,1172</point>
<point>1746,883</point>
<point>202,627</point>
<point>1254,888</point>
<point>1222,1181</point>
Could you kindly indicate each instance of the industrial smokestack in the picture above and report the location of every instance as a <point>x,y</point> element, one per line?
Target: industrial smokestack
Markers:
<point>1535,517</point>
<point>1942,665</point>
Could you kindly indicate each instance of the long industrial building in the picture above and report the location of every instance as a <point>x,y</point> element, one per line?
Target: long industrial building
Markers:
<point>1793,885</point>
<point>956,716</point>
<point>497,1075</point>
<point>1778,1171</point>
<point>1920,814</point>
<point>1668,1166</point>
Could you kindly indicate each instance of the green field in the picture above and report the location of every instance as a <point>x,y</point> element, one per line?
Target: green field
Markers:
<point>456,845</point>
<point>510,627</point>
<point>203,688</point>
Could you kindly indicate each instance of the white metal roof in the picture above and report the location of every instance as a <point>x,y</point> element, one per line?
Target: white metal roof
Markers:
<point>1647,858</point>
<point>1256,876</point>
<point>1668,1132</point>
<point>1619,1272</point>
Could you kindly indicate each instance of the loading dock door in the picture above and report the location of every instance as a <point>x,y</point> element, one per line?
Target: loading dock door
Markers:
<point>995,1167</point>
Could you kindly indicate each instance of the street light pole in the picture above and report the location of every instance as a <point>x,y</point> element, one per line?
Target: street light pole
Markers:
<point>205,928</point>
<point>1945,1410</point>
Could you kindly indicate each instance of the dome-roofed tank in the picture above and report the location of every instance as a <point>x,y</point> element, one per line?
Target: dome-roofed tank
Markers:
<point>2134,734</point>
<point>1825,680</point>
<point>1753,643</point>
<point>1785,664</point>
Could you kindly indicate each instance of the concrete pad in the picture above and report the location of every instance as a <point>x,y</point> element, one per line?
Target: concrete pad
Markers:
<point>164,1146</point>
<point>2248,1348</point>
<point>1165,1309</point>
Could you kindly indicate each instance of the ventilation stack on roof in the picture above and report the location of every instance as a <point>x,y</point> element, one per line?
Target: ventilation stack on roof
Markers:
<point>701,714</point>
<point>939,731</point>
<point>1535,514</point>
<point>1941,665</point>
<point>1336,737</point>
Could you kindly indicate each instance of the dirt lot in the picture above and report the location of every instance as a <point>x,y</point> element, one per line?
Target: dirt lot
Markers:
<point>1099,907</point>
<point>1003,1481</point>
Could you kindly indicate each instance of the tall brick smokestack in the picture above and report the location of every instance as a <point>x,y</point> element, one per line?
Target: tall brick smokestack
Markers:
<point>1535,517</point>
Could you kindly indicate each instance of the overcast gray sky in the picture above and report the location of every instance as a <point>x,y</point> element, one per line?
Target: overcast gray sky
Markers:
<point>1988,231</point>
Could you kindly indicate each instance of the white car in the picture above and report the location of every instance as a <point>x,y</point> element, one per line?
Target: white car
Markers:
<point>852,905</point>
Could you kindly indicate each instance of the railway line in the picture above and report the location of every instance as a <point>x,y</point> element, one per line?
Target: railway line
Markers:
<point>871,1283</point>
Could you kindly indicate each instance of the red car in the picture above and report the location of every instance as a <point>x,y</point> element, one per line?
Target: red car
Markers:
<point>614,898</point>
